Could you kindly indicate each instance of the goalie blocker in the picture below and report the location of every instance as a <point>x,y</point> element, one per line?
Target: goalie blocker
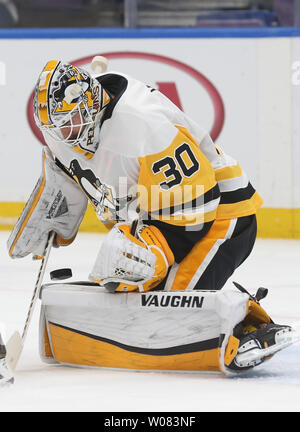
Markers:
<point>56,204</point>
<point>83,324</point>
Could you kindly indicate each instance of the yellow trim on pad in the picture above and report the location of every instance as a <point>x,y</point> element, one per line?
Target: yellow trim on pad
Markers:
<point>73,348</point>
<point>272,222</point>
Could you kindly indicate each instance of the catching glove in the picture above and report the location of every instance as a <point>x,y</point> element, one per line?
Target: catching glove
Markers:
<point>129,263</point>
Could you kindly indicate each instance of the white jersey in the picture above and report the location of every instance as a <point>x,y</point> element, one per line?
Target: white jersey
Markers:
<point>151,155</point>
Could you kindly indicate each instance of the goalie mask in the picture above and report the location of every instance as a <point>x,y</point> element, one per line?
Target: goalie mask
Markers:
<point>68,106</point>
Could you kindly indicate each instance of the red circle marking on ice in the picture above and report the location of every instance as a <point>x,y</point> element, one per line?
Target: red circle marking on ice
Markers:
<point>219,111</point>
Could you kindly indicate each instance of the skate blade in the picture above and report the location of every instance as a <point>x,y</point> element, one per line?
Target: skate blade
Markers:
<point>256,355</point>
<point>6,376</point>
<point>6,382</point>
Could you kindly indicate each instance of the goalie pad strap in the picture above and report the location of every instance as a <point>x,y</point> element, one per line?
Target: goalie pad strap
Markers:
<point>256,314</point>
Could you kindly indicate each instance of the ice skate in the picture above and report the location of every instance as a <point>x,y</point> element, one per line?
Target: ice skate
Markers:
<point>260,345</point>
<point>6,375</point>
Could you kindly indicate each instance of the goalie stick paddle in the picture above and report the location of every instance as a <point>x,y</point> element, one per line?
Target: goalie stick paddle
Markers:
<point>15,344</point>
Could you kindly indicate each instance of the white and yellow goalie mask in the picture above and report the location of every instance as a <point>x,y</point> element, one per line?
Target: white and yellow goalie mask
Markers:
<point>68,105</point>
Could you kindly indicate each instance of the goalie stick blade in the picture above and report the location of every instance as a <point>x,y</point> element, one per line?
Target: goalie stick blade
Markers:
<point>14,348</point>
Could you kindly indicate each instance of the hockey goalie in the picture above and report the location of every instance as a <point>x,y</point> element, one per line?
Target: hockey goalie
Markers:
<point>181,217</point>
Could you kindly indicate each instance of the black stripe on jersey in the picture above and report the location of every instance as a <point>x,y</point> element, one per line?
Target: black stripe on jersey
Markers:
<point>210,195</point>
<point>180,239</point>
<point>230,255</point>
<point>237,195</point>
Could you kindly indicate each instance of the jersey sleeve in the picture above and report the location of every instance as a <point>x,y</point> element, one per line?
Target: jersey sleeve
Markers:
<point>238,196</point>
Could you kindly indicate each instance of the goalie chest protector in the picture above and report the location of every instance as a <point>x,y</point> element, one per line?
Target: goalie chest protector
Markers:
<point>83,324</point>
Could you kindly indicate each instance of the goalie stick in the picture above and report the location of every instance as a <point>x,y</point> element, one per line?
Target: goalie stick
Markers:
<point>16,342</point>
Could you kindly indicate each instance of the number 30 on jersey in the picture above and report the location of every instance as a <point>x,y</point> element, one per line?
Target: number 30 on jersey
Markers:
<point>183,164</point>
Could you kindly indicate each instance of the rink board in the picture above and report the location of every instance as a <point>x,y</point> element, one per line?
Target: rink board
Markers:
<point>272,222</point>
<point>242,85</point>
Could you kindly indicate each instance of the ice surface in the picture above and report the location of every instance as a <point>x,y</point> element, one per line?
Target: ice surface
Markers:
<point>273,386</point>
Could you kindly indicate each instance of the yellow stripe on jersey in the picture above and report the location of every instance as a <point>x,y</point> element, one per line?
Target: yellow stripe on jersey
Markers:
<point>238,198</point>
<point>193,220</point>
<point>175,176</point>
<point>240,209</point>
<point>199,255</point>
<point>228,172</point>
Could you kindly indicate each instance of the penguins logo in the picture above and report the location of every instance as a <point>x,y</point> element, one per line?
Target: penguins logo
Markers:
<point>100,195</point>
